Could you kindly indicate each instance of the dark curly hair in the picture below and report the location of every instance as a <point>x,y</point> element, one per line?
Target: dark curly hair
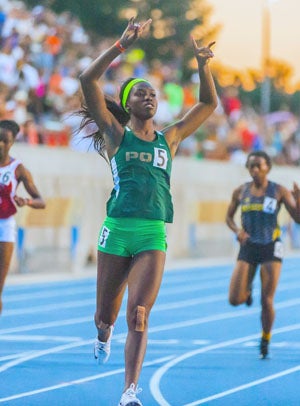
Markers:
<point>115,108</point>
<point>10,125</point>
<point>260,154</point>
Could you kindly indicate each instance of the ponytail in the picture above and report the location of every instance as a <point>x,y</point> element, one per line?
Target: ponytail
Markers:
<point>119,111</point>
<point>99,144</point>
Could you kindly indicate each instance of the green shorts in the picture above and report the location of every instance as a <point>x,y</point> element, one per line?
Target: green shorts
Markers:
<point>129,236</point>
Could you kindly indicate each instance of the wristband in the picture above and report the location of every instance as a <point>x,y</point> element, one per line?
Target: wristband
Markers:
<point>119,46</point>
<point>28,202</point>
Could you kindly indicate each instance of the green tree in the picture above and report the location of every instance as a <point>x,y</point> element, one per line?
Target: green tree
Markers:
<point>295,103</point>
<point>173,21</point>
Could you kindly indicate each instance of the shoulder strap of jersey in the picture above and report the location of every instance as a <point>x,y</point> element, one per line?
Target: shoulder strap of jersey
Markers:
<point>15,163</point>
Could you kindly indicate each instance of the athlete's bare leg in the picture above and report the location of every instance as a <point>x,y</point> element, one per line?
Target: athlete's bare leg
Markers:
<point>240,283</point>
<point>6,251</point>
<point>143,274</point>
<point>269,274</point>
<point>144,281</point>
<point>112,273</point>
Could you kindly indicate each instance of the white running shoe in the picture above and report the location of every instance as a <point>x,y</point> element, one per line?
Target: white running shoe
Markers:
<point>102,349</point>
<point>129,396</point>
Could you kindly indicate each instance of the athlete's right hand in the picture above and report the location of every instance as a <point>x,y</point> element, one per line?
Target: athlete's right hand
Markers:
<point>296,191</point>
<point>242,236</point>
<point>133,31</point>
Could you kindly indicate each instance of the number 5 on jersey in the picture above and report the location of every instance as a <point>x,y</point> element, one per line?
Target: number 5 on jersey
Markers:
<point>160,158</point>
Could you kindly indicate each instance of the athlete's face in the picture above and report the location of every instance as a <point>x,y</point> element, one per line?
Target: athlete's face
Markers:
<point>142,101</point>
<point>6,141</point>
<point>258,167</point>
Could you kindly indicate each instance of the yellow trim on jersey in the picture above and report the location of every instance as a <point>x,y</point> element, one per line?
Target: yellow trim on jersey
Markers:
<point>276,234</point>
<point>252,207</point>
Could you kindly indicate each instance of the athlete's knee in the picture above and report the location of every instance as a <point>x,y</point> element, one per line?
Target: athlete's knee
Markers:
<point>235,300</point>
<point>267,301</point>
<point>138,318</point>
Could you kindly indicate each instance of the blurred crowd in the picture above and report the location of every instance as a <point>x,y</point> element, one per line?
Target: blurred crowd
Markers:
<point>42,54</point>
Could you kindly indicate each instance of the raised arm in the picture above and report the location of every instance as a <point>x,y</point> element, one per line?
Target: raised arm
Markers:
<point>203,109</point>
<point>92,91</point>
<point>291,201</point>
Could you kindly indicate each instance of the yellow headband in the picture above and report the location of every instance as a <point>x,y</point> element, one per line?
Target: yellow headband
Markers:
<point>127,90</point>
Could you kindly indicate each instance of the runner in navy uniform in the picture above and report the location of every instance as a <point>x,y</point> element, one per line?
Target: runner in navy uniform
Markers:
<point>259,238</point>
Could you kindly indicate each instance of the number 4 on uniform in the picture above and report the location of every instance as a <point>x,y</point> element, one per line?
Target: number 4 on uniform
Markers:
<point>270,204</point>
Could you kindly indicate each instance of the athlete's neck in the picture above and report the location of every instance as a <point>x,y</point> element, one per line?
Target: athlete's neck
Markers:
<point>4,161</point>
<point>143,129</point>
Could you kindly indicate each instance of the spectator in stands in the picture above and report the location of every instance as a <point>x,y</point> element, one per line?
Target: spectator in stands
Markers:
<point>232,104</point>
<point>41,52</point>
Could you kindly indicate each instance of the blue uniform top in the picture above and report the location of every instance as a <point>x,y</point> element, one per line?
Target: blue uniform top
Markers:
<point>259,214</point>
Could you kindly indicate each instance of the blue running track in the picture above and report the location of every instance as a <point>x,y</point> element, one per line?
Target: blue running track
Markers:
<point>201,350</point>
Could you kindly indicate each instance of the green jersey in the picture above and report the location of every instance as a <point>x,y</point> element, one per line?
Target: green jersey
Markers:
<point>141,173</point>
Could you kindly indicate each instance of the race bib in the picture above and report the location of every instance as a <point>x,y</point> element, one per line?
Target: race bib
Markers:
<point>278,249</point>
<point>160,158</point>
<point>269,205</point>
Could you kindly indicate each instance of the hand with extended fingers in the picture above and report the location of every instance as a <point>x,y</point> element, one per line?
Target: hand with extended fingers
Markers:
<point>296,191</point>
<point>203,54</point>
<point>133,31</point>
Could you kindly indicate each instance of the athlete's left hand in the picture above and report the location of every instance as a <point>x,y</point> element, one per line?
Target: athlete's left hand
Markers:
<point>296,191</point>
<point>203,54</point>
<point>20,201</point>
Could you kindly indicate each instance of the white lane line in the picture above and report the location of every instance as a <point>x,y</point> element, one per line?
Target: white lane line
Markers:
<point>49,293</point>
<point>246,386</point>
<point>38,338</point>
<point>189,302</point>
<point>156,308</point>
<point>79,381</point>
<point>222,316</point>
<point>49,307</point>
<point>172,305</point>
<point>157,376</point>
<point>49,324</point>
<point>87,302</point>
<point>14,356</point>
<point>36,354</point>
<point>72,304</point>
<point>165,327</point>
<point>170,326</point>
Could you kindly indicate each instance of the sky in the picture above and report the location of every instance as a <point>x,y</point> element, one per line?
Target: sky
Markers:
<point>239,42</point>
